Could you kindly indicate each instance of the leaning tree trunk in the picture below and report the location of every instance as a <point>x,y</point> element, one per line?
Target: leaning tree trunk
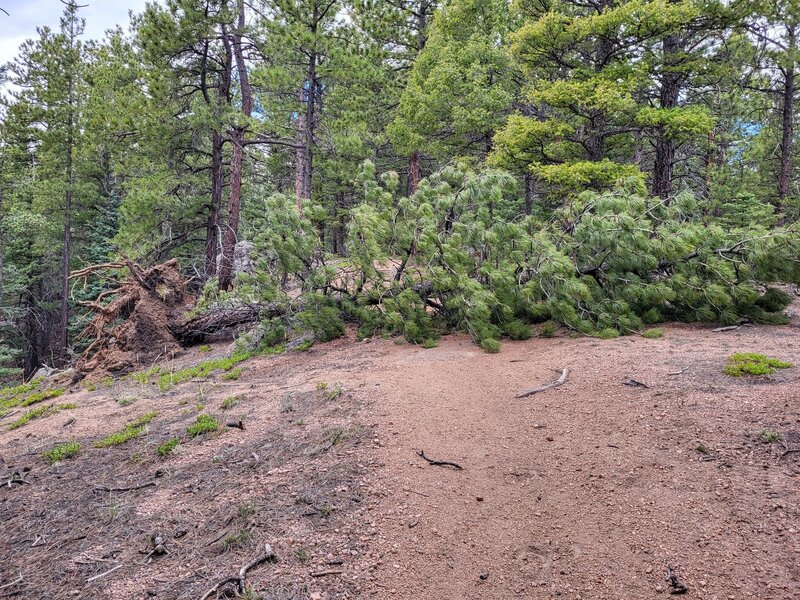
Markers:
<point>237,158</point>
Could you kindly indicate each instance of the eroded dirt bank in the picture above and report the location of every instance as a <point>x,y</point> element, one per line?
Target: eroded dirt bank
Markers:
<point>588,490</point>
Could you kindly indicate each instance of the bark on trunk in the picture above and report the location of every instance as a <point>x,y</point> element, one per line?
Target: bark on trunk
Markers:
<point>414,175</point>
<point>529,192</point>
<point>668,96</point>
<point>787,127</point>
<point>237,158</point>
<point>212,228</point>
<point>306,122</point>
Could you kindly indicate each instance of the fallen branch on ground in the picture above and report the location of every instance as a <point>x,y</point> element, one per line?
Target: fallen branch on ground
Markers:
<point>787,450</point>
<point>683,370</point>
<point>103,574</point>
<point>239,580</point>
<point>556,383</point>
<point>324,573</point>
<point>728,328</point>
<point>439,463</point>
<point>125,489</point>
<point>15,582</point>
<point>634,383</point>
<point>17,478</point>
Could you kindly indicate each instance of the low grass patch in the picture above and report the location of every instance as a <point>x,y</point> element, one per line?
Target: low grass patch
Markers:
<point>768,436</point>
<point>168,447</point>
<point>203,424</point>
<point>653,334</point>
<point>229,403</point>
<point>200,371</point>
<point>133,429</point>
<point>61,452</point>
<point>144,377</point>
<point>233,375</point>
<point>240,539</point>
<point>743,364</point>
<point>40,412</point>
<point>43,395</point>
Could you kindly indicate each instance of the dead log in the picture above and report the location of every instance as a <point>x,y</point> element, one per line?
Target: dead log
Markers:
<point>556,383</point>
<point>196,330</point>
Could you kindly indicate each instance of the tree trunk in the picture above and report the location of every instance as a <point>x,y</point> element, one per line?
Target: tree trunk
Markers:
<point>237,158</point>
<point>787,126</point>
<point>62,343</point>
<point>306,122</point>
<point>212,228</point>
<point>529,192</point>
<point>668,97</point>
<point>413,172</point>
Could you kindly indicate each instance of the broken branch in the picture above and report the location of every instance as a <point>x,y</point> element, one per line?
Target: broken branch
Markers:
<point>439,463</point>
<point>239,580</point>
<point>556,383</point>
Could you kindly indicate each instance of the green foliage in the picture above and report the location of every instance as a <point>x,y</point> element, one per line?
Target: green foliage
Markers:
<point>38,413</point>
<point>548,329</point>
<point>132,430</point>
<point>168,447</point>
<point>43,395</point>
<point>743,364</point>
<point>654,333</point>
<point>233,374</point>
<point>61,452</point>
<point>203,424</point>
<point>202,370</point>
<point>230,402</point>
<point>325,321</point>
<point>204,348</point>
<point>768,437</point>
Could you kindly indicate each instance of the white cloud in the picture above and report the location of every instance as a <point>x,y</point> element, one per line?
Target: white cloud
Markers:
<point>26,15</point>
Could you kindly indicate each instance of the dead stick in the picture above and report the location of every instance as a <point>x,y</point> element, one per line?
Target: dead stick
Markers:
<point>325,573</point>
<point>728,328</point>
<point>556,383</point>
<point>439,463</point>
<point>239,580</point>
<point>103,574</point>
<point>15,582</point>
<point>125,489</point>
<point>683,370</point>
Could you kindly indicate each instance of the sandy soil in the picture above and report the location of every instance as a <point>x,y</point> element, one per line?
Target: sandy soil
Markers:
<point>589,490</point>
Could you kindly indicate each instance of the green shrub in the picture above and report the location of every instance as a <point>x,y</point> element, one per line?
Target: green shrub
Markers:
<point>200,371</point>
<point>325,321</point>
<point>743,364</point>
<point>204,349</point>
<point>203,424</point>
<point>517,330</point>
<point>233,375</point>
<point>231,402</point>
<point>43,395</point>
<point>429,343</point>
<point>40,412</point>
<point>133,429</point>
<point>654,333</point>
<point>548,329</point>
<point>768,437</point>
<point>61,452</point>
<point>168,447</point>
<point>491,345</point>
<point>773,300</point>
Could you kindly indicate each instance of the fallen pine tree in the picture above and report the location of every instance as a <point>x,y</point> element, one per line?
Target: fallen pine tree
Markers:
<point>450,258</point>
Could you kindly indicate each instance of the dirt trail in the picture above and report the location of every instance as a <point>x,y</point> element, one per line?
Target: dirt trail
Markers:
<point>589,490</point>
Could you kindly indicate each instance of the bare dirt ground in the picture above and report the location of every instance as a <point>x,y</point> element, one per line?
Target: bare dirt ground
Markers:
<point>588,490</point>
